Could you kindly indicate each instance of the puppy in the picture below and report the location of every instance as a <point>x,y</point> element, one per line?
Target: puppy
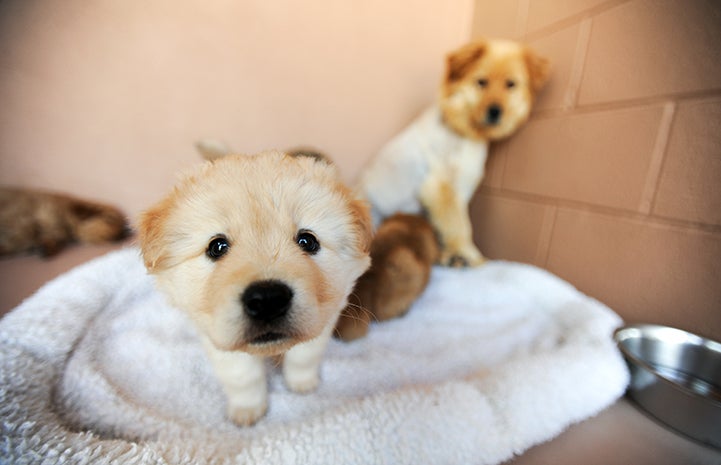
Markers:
<point>436,164</point>
<point>261,252</point>
<point>45,222</point>
<point>402,253</point>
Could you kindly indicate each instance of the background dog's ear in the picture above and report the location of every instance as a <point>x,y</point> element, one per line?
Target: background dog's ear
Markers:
<point>538,70</point>
<point>460,61</point>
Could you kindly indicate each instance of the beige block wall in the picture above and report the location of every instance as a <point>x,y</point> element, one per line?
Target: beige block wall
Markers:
<point>615,183</point>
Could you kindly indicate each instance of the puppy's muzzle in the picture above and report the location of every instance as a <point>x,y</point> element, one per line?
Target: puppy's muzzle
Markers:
<point>267,301</point>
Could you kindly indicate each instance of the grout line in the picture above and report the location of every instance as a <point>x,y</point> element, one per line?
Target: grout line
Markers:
<point>627,104</point>
<point>522,18</point>
<point>545,236</point>
<point>570,99</point>
<point>653,176</point>
<point>569,21</point>
<point>504,164</point>
<point>655,99</point>
<point>501,165</point>
<point>576,205</point>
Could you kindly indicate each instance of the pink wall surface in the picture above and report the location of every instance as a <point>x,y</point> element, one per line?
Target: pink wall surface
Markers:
<point>105,99</point>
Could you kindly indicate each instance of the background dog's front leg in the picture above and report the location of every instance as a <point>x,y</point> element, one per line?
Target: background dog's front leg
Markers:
<point>448,213</point>
<point>243,379</point>
<point>301,364</point>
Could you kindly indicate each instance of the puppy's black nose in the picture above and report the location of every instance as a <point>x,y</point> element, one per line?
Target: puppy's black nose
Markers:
<point>493,115</point>
<point>266,300</point>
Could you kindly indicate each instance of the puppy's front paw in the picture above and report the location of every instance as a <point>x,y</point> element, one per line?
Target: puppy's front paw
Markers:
<point>301,364</point>
<point>246,415</point>
<point>302,381</point>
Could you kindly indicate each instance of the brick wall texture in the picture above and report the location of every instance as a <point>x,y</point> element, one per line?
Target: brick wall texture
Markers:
<point>615,182</point>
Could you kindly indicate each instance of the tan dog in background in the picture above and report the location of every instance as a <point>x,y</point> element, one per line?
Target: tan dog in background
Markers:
<point>45,222</point>
<point>435,165</point>
<point>261,252</point>
<point>403,251</point>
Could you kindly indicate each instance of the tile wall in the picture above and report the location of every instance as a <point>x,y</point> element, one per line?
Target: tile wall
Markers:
<point>615,182</point>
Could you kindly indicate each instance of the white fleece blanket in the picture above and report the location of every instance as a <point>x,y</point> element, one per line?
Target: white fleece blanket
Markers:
<point>96,369</point>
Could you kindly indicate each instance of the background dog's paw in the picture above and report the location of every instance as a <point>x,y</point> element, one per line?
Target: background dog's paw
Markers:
<point>455,259</point>
<point>246,416</point>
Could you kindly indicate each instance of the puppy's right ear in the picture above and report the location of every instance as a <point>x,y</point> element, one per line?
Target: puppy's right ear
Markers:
<point>363,223</point>
<point>152,237</point>
<point>460,61</point>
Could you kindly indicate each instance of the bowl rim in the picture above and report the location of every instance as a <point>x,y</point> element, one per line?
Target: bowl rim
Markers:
<point>642,330</point>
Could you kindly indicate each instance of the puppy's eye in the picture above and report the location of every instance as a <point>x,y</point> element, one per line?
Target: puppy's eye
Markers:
<point>510,83</point>
<point>217,248</point>
<point>307,241</point>
<point>483,82</point>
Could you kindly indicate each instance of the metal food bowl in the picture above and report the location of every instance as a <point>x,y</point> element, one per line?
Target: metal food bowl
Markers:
<point>676,378</point>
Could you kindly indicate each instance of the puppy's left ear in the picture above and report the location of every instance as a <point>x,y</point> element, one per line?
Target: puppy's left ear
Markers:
<point>538,70</point>
<point>152,238</point>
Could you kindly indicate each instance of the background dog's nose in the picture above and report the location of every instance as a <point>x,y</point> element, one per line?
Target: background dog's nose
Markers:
<point>267,300</point>
<point>493,115</point>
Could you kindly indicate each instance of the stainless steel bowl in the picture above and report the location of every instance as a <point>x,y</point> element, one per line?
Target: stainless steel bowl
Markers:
<point>675,377</point>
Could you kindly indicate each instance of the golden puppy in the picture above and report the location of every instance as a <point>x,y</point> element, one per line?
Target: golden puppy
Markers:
<point>45,222</point>
<point>402,253</point>
<point>436,164</point>
<point>261,251</point>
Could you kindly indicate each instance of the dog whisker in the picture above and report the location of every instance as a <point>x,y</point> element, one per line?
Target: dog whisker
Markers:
<point>362,309</point>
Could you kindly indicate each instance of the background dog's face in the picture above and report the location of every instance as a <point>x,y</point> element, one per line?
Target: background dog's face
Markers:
<point>489,88</point>
<point>261,251</point>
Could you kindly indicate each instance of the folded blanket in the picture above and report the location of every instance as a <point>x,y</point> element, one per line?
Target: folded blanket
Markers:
<point>97,368</point>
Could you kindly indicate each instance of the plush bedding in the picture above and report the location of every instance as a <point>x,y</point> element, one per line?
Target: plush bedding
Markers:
<point>97,368</point>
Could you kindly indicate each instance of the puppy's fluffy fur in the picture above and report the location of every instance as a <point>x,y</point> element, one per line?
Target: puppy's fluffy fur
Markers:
<point>261,251</point>
<point>435,165</point>
<point>45,222</point>
<point>402,253</point>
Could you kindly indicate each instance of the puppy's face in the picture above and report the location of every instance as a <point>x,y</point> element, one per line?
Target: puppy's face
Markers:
<point>489,88</point>
<point>261,251</point>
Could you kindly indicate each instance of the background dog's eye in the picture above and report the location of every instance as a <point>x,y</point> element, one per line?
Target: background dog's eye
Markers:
<point>510,83</point>
<point>217,248</point>
<point>307,241</point>
<point>483,82</point>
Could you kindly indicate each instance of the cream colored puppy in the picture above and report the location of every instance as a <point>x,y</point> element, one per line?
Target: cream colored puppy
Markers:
<point>435,165</point>
<point>261,251</point>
